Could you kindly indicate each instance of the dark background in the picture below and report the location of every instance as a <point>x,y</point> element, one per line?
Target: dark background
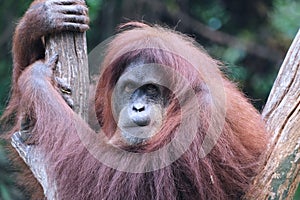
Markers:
<point>251,37</point>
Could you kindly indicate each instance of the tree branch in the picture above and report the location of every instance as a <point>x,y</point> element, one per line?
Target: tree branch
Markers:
<point>280,176</point>
<point>72,66</point>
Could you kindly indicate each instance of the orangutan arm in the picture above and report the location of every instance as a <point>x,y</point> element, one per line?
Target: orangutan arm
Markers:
<point>41,19</point>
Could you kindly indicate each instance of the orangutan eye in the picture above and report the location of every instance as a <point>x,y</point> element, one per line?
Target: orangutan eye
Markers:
<point>152,89</point>
<point>129,88</point>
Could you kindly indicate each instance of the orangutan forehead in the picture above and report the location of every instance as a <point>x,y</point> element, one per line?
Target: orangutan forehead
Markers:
<point>146,72</point>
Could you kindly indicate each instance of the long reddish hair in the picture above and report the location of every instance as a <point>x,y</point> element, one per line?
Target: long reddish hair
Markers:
<point>224,173</point>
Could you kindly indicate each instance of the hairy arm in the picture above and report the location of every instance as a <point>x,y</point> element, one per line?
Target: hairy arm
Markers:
<point>54,127</point>
<point>45,17</point>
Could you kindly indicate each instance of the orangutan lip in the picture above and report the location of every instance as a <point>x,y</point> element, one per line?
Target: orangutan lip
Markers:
<point>135,126</point>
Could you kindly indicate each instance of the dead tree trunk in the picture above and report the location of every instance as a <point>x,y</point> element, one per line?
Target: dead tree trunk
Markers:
<point>72,66</point>
<point>280,176</point>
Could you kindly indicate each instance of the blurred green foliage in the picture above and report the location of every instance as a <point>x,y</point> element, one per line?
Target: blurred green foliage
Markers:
<point>213,13</point>
<point>4,82</point>
<point>8,190</point>
<point>94,8</point>
<point>286,17</point>
<point>270,23</point>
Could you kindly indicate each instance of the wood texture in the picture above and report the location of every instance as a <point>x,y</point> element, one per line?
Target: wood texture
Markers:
<point>72,66</point>
<point>280,176</point>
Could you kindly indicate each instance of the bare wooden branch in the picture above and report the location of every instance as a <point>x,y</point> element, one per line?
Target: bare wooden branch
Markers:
<point>280,176</point>
<point>33,157</point>
<point>72,66</point>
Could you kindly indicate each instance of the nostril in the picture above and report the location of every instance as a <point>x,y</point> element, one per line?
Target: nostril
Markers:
<point>138,107</point>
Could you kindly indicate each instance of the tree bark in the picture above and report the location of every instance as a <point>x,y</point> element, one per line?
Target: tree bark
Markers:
<point>72,66</point>
<point>280,176</point>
